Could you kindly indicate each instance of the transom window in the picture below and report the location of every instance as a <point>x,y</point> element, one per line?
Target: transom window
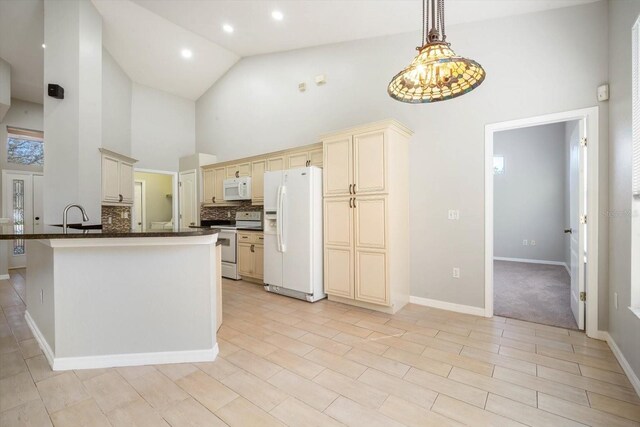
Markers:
<point>25,147</point>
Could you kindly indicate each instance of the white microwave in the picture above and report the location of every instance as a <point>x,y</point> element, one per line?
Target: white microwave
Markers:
<point>237,188</point>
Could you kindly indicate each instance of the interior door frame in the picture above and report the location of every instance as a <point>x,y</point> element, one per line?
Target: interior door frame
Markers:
<point>175,212</point>
<point>143,195</point>
<point>591,128</point>
<point>196,193</point>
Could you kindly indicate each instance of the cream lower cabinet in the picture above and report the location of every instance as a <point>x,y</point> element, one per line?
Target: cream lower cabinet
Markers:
<point>251,255</point>
<point>366,236</point>
<point>355,248</point>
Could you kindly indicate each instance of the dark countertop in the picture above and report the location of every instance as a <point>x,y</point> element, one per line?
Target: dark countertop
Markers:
<point>51,232</point>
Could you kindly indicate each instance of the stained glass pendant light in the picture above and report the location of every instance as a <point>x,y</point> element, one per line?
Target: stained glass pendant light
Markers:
<point>437,73</point>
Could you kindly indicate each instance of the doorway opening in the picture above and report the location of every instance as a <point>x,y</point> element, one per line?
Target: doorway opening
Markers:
<point>542,218</point>
<point>154,201</point>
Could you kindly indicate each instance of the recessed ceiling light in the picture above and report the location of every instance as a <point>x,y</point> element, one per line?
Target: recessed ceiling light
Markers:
<point>44,46</point>
<point>227,28</point>
<point>277,15</point>
<point>186,53</point>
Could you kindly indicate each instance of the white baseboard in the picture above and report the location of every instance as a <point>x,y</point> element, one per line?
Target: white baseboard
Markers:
<point>531,261</point>
<point>635,381</point>
<point>443,305</point>
<point>116,360</point>
<point>42,342</point>
<point>135,359</point>
<point>4,277</point>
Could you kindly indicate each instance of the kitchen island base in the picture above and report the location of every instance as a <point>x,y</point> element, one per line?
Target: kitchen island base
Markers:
<point>107,302</point>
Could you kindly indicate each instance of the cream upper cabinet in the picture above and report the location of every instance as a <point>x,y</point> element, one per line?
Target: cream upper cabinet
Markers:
<point>236,171</point>
<point>338,166</point>
<point>369,161</point>
<point>275,163</point>
<point>257,181</point>
<point>297,160</point>
<point>110,179</point>
<point>366,234</point>
<point>208,185</point>
<point>316,157</point>
<point>117,178</point>
<point>126,182</point>
<point>218,188</point>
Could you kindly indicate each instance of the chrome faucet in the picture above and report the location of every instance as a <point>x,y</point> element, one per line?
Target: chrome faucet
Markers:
<point>85,218</point>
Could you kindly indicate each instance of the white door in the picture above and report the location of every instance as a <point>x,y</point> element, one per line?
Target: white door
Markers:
<point>577,208</point>
<point>18,206</point>
<point>138,207</point>
<point>188,199</point>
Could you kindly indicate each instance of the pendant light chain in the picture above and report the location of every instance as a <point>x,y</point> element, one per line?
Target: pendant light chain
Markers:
<point>425,20</point>
<point>441,19</point>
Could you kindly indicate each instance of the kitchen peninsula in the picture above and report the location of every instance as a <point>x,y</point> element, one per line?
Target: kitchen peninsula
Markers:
<point>101,299</point>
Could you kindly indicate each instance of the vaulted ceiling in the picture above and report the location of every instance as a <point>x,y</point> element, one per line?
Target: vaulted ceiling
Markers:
<point>146,37</point>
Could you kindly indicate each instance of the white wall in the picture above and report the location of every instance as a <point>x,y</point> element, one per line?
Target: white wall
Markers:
<point>256,108</point>
<point>5,87</point>
<point>116,106</point>
<point>624,326</point>
<point>162,128</point>
<point>72,126</point>
<point>529,198</point>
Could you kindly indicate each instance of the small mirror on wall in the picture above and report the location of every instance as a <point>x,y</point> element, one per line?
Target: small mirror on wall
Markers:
<point>498,165</point>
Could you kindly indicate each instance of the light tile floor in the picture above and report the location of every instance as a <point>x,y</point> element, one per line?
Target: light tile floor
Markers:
<point>287,362</point>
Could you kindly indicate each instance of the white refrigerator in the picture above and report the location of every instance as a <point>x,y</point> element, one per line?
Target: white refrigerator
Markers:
<point>293,233</point>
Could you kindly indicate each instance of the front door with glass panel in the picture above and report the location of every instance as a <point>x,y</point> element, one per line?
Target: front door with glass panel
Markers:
<point>18,206</point>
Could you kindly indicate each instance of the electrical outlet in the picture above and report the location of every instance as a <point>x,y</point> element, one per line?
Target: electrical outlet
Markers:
<point>533,243</point>
<point>126,214</point>
<point>456,272</point>
<point>615,300</point>
<point>525,242</point>
<point>228,214</point>
<point>109,220</point>
<point>453,214</point>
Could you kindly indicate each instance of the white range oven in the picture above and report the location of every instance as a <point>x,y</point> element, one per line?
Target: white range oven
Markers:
<point>229,237</point>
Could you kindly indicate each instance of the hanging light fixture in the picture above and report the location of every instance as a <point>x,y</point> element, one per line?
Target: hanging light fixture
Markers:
<point>437,73</point>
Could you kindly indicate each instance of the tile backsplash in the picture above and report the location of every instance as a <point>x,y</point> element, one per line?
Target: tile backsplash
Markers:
<point>227,212</point>
<point>118,224</point>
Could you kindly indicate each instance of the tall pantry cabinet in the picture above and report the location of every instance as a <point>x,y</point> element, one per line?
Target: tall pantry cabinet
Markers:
<point>366,221</point>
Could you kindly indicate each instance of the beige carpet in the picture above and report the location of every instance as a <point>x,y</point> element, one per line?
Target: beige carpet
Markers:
<point>537,293</point>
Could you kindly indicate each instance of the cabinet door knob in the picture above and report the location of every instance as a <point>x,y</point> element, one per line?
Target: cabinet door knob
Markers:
<point>253,248</point>
<point>350,202</point>
<point>354,202</point>
<point>350,185</point>
<point>237,174</point>
<point>213,199</point>
<point>354,189</point>
<point>120,198</point>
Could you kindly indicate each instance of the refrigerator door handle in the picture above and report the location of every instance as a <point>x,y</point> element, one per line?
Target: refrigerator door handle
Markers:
<point>283,236</point>
<point>279,218</point>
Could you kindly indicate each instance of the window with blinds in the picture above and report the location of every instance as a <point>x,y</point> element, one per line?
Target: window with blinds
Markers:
<point>636,109</point>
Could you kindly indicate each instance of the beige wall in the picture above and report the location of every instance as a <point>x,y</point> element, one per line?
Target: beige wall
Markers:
<point>157,187</point>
